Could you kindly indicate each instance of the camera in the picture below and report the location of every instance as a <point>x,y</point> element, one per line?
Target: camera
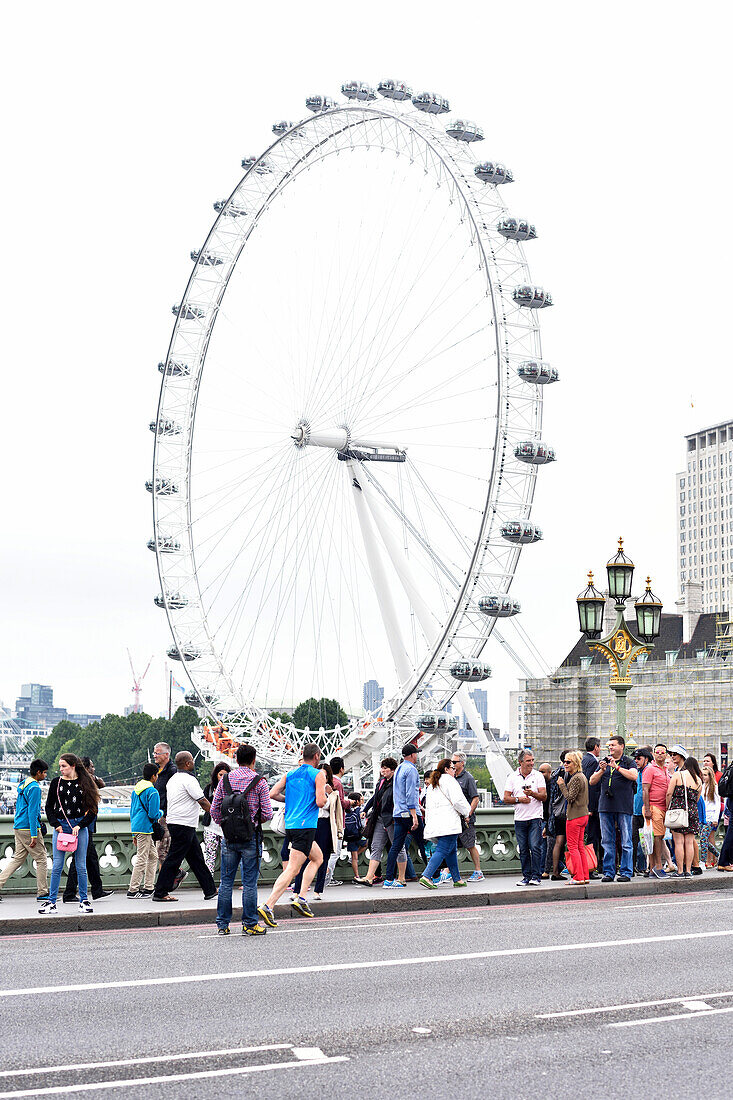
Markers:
<point>527,787</point>
<point>606,759</point>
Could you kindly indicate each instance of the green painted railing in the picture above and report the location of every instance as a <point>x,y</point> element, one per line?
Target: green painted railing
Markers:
<point>113,840</point>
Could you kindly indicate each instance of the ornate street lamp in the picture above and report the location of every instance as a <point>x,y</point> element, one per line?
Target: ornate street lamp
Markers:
<point>590,610</point>
<point>620,647</point>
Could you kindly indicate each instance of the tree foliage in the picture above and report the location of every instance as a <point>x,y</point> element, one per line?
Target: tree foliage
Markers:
<point>119,746</point>
<point>315,713</point>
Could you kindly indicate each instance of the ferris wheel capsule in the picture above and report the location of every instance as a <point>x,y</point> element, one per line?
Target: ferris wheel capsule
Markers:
<point>163,486</point>
<point>188,312</point>
<point>470,672</point>
<point>358,89</point>
<point>431,103</point>
<point>532,297</point>
<point>164,426</point>
<point>164,544</point>
<point>207,259</point>
<point>174,601</point>
<point>175,368</point>
<point>533,370</point>
<point>319,103</point>
<point>534,452</point>
<point>516,229</point>
<point>184,653</point>
<point>462,130</point>
<point>282,126</point>
<point>260,165</point>
<point>492,172</point>
<point>394,89</point>
<point>229,209</point>
<point>500,606</point>
<point>521,532</point>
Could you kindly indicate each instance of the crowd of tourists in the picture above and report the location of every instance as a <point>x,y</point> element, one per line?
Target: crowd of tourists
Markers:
<point>609,817</point>
<point>655,813</point>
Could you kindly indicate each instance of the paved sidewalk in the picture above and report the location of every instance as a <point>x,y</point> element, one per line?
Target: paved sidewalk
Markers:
<point>20,914</point>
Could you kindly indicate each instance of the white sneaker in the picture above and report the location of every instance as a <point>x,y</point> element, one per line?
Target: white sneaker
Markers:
<point>48,909</point>
<point>85,907</point>
<point>444,877</point>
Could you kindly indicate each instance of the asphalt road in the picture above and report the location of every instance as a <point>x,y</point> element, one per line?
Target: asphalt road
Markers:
<point>613,998</point>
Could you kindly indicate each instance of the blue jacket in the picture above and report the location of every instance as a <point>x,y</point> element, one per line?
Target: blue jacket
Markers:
<point>144,807</point>
<point>406,789</point>
<point>28,806</point>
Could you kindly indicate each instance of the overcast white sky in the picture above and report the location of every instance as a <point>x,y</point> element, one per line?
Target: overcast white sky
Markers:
<point>124,122</point>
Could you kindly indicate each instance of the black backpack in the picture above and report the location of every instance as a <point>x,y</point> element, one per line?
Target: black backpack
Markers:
<point>236,821</point>
<point>725,786</point>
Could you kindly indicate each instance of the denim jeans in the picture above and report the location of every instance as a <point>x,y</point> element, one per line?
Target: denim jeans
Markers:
<point>529,839</point>
<point>232,858</point>
<point>80,860</point>
<point>610,822</point>
<point>402,826</point>
<point>445,849</point>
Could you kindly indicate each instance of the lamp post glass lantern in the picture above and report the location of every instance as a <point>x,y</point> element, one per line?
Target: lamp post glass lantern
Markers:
<point>620,647</point>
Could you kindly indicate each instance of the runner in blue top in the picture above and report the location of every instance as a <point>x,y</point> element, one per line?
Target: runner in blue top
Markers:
<point>304,791</point>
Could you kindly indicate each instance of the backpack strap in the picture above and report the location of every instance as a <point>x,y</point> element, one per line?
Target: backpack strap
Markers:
<point>245,792</point>
<point>226,784</point>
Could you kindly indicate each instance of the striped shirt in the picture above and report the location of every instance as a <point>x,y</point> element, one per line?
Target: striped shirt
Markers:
<point>258,799</point>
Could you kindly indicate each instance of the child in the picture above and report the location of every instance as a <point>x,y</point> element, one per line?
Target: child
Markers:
<point>144,811</point>
<point>353,828</point>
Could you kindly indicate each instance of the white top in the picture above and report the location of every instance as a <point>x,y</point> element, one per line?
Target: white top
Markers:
<point>712,810</point>
<point>515,784</point>
<point>443,806</point>
<point>183,791</point>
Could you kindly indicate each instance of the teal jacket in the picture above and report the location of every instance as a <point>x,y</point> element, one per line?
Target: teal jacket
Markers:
<point>144,807</point>
<point>28,806</point>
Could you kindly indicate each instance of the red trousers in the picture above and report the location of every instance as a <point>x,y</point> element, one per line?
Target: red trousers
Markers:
<point>575,833</point>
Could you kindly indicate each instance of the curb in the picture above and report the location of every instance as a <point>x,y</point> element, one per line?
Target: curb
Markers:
<point>372,904</point>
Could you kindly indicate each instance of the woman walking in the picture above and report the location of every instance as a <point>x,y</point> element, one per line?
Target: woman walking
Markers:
<point>682,795</point>
<point>379,829</point>
<point>708,851</point>
<point>576,794</point>
<point>212,832</point>
<point>71,805</point>
<point>445,804</point>
<point>329,834</point>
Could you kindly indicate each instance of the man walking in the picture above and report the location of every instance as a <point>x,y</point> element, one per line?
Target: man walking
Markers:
<point>616,776</point>
<point>184,796</point>
<point>654,783</point>
<point>593,828</point>
<point>304,792</point>
<point>96,886</point>
<point>166,771</point>
<point>467,839</point>
<point>27,829</point>
<point>247,853</point>
<point>406,810</point>
<point>526,791</point>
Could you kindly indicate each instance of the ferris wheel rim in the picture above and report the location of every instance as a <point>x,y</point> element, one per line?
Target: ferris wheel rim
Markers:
<point>360,113</point>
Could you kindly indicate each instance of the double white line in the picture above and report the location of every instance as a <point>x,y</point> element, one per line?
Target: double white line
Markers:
<point>304,1056</point>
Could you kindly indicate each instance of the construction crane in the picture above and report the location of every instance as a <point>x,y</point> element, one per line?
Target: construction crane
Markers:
<point>137,682</point>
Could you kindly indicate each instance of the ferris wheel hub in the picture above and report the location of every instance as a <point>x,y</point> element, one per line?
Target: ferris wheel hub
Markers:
<point>339,439</point>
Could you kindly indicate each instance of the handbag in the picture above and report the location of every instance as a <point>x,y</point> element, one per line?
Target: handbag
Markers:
<point>678,818</point>
<point>66,842</point>
<point>278,822</point>
<point>590,855</point>
<point>158,831</point>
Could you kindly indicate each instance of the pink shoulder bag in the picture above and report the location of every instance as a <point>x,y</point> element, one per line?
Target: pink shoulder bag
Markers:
<point>66,842</point>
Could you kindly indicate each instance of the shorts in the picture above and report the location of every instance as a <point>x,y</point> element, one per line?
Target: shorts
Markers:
<point>355,845</point>
<point>561,825</point>
<point>300,840</point>
<point>382,835</point>
<point>163,846</point>
<point>467,839</point>
<point>658,820</point>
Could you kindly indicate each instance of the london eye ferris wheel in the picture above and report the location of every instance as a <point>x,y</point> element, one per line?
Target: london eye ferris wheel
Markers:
<point>349,427</point>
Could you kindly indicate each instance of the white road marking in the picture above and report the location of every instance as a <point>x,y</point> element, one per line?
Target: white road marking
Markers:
<point>308,1054</point>
<point>696,1006</point>
<point>630,1004</point>
<point>676,1016</point>
<point>326,968</point>
<point>138,1081</point>
<point>371,925</point>
<point>144,1061</point>
<point>666,904</point>
<point>421,1030</point>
